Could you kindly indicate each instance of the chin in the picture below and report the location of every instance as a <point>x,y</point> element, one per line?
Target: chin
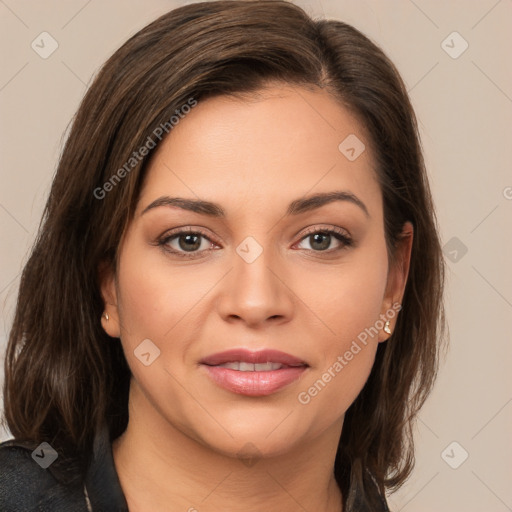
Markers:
<point>260,440</point>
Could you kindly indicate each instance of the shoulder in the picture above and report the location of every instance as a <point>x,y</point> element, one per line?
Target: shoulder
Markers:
<point>26,484</point>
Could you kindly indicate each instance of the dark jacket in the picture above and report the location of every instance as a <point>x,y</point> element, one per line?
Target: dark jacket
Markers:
<point>26,486</point>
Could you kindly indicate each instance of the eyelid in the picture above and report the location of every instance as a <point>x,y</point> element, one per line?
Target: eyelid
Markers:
<point>175,232</point>
<point>317,228</point>
<point>186,229</point>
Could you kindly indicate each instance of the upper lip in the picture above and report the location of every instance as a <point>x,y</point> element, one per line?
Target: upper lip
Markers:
<point>252,356</point>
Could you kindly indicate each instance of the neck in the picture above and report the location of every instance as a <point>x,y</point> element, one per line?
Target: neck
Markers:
<point>161,468</point>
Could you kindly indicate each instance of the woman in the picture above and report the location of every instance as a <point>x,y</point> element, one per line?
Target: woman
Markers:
<point>235,298</point>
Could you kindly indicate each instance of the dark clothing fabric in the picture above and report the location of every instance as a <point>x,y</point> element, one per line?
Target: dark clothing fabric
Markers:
<point>25,486</point>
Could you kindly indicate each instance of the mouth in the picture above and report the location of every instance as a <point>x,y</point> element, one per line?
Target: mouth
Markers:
<point>250,373</point>
<point>243,366</point>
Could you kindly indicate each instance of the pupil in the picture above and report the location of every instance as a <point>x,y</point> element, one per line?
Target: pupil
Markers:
<point>190,244</point>
<point>324,244</point>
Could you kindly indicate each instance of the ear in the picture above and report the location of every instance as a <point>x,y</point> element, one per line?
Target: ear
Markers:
<point>397,279</point>
<point>108,291</point>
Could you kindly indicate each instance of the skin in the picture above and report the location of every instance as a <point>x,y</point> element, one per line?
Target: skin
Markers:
<point>253,156</point>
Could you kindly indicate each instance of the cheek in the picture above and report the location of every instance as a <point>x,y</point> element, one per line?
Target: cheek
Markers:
<point>348,302</point>
<point>156,303</point>
<point>347,298</point>
<point>154,297</point>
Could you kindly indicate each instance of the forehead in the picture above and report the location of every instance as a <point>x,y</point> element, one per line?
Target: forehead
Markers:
<point>263,149</point>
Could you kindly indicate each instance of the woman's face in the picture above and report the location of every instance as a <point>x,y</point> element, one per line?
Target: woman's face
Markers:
<point>266,268</point>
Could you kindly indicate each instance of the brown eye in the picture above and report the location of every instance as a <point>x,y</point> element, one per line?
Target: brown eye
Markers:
<point>322,240</point>
<point>187,243</point>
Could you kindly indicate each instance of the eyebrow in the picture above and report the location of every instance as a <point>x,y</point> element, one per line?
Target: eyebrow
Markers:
<point>296,207</point>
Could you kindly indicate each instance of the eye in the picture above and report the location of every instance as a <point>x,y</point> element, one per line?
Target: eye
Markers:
<point>186,242</point>
<point>321,240</point>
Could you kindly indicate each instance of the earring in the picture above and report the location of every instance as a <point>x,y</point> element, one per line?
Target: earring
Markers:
<point>106,316</point>
<point>387,328</point>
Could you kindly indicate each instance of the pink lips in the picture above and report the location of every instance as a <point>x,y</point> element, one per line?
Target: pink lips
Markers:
<point>253,383</point>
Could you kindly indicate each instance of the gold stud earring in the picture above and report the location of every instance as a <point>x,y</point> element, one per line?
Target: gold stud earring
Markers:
<point>387,328</point>
<point>106,316</point>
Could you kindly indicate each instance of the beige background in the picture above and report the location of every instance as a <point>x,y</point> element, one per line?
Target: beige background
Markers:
<point>465,109</point>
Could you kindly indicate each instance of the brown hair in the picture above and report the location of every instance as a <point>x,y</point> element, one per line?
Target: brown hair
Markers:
<point>64,375</point>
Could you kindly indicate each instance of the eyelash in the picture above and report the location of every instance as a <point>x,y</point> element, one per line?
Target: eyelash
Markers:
<point>338,234</point>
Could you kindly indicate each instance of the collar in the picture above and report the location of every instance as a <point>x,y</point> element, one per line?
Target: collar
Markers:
<point>102,485</point>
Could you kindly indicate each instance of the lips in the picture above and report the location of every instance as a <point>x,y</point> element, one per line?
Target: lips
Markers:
<point>250,373</point>
<point>253,357</point>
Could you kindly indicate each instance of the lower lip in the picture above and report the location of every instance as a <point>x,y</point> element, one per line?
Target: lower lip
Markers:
<point>254,383</point>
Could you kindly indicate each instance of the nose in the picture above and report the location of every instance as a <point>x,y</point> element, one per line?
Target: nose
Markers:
<point>256,292</point>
